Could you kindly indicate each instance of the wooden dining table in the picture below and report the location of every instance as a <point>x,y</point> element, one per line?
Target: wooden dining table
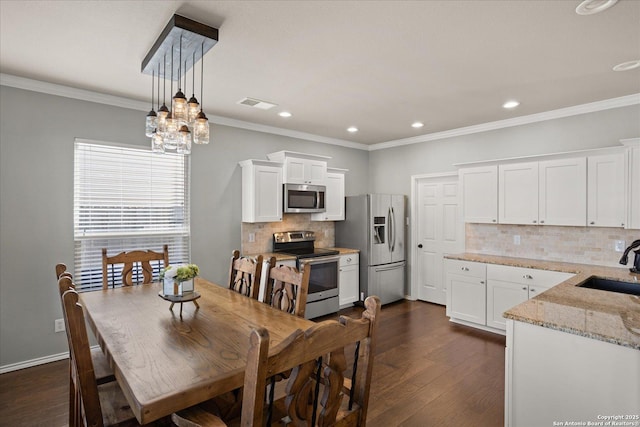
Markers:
<point>165,362</point>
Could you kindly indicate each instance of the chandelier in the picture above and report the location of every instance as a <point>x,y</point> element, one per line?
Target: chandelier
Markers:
<point>182,43</point>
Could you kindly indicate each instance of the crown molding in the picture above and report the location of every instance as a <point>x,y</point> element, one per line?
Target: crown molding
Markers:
<point>117,101</point>
<point>591,107</point>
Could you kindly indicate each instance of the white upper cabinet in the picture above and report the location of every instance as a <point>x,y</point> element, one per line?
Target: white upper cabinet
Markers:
<point>334,197</point>
<point>633,151</point>
<point>518,193</point>
<point>479,194</point>
<point>606,190</point>
<point>261,191</point>
<point>562,186</point>
<point>301,168</point>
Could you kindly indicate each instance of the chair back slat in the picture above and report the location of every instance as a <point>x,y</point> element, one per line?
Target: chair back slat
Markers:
<point>134,264</point>
<point>287,288</point>
<point>245,274</point>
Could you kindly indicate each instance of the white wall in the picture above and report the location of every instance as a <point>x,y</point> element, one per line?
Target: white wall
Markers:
<point>37,133</point>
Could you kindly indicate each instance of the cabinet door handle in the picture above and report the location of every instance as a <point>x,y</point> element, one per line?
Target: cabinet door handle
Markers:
<point>348,259</point>
<point>420,245</point>
<point>493,220</point>
<point>592,222</point>
<point>534,221</point>
<point>465,269</point>
<point>532,290</point>
<point>524,288</point>
<point>541,222</point>
<point>527,276</point>
<point>482,282</point>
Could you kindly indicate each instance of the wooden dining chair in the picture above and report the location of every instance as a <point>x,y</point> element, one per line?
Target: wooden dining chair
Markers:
<point>93,404</point>
<point>287,288</point>
<point>323,388</point>
<point>245,274</point>
<point>135,263</point>
<point>103,371</point>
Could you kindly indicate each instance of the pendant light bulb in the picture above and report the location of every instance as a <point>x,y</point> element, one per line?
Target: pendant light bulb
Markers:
<point>184,140</point>
<point>171,134</point>
<point>157,143</point>
<point>179,106</point>
<point>193,107</point>
<point>201,126</point>
<point>151,122</point>
<point>201,129</point>
<point>163,111</point>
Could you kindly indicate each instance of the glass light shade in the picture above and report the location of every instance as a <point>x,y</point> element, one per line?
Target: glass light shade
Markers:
<point>157,143</point>
<point>171,134</point>
<point>193,107</point>
<point>163,112</point>
<point>184,140</point>
<point>201,129</point>
<point>179,107</point>
<point>151,123</point>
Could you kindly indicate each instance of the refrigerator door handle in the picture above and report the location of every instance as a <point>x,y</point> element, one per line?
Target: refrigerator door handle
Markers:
<point>389,230</point>
<point>393,228</point>
<point>395,267</point>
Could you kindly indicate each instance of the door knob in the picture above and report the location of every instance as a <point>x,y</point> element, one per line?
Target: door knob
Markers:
<point>420,245</point>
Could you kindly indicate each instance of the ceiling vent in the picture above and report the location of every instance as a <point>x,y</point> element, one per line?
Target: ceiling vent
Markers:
<point>256,103</point>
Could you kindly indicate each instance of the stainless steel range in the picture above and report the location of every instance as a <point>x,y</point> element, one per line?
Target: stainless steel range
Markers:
<point>323,278</point>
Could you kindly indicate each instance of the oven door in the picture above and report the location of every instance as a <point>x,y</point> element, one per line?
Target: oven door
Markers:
<point>323,277</point>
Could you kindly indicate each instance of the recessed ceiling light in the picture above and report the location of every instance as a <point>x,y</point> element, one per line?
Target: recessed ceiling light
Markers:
<point>352,129</point>
<point>589,7</point>
<point>626,66</point>
<point>285,114</point>
<point>417,125</point>
<point>510,104</point>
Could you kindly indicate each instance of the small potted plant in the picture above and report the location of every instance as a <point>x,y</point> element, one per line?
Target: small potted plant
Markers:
<point>178,279</point>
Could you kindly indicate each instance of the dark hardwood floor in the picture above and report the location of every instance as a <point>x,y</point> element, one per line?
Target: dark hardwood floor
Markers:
<point>427,372</point>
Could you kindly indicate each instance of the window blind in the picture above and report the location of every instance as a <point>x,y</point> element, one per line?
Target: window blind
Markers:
<point>127,198</point>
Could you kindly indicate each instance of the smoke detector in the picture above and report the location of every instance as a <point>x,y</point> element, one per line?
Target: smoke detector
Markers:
<point>256,103</point>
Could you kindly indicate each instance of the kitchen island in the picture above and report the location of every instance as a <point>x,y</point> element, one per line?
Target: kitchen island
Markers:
<point>573,353</point>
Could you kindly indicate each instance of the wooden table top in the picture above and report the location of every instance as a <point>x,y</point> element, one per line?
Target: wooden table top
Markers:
<point>165,363</point>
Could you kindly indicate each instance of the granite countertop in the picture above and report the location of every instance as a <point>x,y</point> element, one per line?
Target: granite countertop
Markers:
<point>607,316</point>
<point>345,251</point>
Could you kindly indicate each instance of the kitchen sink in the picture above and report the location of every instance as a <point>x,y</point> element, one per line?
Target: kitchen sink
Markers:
<point>612,286</point>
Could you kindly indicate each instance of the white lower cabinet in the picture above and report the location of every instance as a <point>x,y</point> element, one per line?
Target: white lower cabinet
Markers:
<point>501,296</point>
<point>349,279</point>
<point>478,294</point>
<point>555,378</point>
<point>466,291</point>
<point>509,286</point>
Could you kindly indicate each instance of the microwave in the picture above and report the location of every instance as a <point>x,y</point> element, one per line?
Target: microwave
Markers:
<point>303,198</point>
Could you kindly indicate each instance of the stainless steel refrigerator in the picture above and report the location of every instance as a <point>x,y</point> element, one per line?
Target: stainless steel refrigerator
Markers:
<point>375,225</point>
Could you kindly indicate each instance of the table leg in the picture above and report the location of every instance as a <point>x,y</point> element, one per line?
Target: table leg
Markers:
<point>196,303</point>
<point>171,306</point>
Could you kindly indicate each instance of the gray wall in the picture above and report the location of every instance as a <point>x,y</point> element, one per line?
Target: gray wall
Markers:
<point>37,133</point>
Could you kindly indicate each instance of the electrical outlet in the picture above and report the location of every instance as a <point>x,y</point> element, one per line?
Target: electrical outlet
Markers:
<point>620,245</point>
<point>58,325</point>
<point>516,239</point>
<point>252,237</point>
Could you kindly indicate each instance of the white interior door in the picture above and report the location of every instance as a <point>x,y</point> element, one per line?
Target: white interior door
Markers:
<point>438,230</point>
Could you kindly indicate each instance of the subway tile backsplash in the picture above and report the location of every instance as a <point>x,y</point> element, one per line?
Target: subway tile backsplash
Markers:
<point>263,231</point>
<point>584,245</point>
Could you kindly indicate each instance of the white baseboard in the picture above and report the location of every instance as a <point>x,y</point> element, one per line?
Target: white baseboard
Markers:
<point>35,362</point>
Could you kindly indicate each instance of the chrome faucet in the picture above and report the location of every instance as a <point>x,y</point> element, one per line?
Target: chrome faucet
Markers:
<point>636,262</point>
